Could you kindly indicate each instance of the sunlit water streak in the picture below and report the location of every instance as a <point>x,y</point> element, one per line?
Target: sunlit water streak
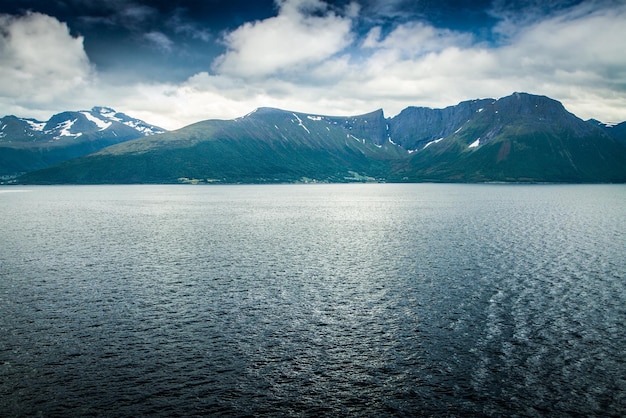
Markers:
<point>366,300</point>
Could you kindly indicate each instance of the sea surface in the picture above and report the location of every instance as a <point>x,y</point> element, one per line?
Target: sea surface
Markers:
<point>313,300</point>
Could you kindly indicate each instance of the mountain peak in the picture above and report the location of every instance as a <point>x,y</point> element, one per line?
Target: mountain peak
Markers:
<point>522,97</point>
<point>28,144</point>
<point>104,111</point>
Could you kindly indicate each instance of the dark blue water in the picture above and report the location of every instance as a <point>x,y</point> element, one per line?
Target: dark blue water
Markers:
<point>313,300</point>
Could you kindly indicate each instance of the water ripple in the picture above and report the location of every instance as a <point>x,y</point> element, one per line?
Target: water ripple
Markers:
<point>360,300</point>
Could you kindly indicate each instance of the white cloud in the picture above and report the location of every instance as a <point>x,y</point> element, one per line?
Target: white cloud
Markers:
<point>181,25</point>
<point>123,13</point>
<point>39,61</point>
<point>295,38</point>
<point>308,58</point>
<point>160,40</point>
<point>134,14</point>
<point>574,57</point>
<point>415,39</point>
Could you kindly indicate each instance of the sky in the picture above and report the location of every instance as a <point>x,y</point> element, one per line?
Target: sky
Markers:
<point>173,63</point>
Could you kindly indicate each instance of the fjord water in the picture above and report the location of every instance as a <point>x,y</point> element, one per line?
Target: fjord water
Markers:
<point>364,300</point>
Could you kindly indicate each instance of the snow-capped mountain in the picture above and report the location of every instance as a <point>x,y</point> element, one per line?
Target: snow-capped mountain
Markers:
<point>28,144</point>
<point>97,123</point>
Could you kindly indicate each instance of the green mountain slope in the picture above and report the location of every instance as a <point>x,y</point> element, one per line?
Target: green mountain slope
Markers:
<point>616,130</point>
<point>268,145</point>
<point>520,138</point>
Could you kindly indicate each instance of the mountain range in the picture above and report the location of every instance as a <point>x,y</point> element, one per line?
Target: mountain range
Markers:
<point>518,138</point>
<point>28,144</point>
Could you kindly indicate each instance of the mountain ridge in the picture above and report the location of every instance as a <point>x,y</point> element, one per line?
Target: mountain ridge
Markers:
<point>525,138</point>
<point>517,138</point>
<point>27,144</point>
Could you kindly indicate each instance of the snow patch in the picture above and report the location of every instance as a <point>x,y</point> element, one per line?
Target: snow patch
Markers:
<point>434,142</point>
<point>480,110</point>
<point>99,122</point>
<point>146,130</point>
<point>64,127</point>
<point>108,113</point>
<point>248,114</point>
<point>610,124</point>
<point>315,118</point>
<point>458,130</point>
<point>140,126</point>
<point>475,143</point>
<point>354,137</point>
<point>34,125</point>
<point>300,123</point>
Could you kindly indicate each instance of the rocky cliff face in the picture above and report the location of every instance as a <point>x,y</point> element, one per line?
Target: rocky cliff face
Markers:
<point>371,126</point>
<point>415,127</point>
<point>521,138</point>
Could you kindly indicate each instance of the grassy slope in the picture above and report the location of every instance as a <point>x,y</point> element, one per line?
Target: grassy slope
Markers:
<point>536,142</point>
<point>268,146</point>
<point>523,138</point>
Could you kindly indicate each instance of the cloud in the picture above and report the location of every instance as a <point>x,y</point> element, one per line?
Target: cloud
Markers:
<point>304,32</point>
<point>573,56</point>
<point>134,14</point>
<point>416,38</point>
<point>160,40</point>
<point>389,9</point>
<point>206,96</point>
<point>180,24</point>
<point>39,61</point>
<point>121,13</point>
<point>310,58</point>
<point>513,15</point>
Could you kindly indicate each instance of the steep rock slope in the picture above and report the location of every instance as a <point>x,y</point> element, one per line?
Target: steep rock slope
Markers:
<point>524,138</point>
<point>415,127</point>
